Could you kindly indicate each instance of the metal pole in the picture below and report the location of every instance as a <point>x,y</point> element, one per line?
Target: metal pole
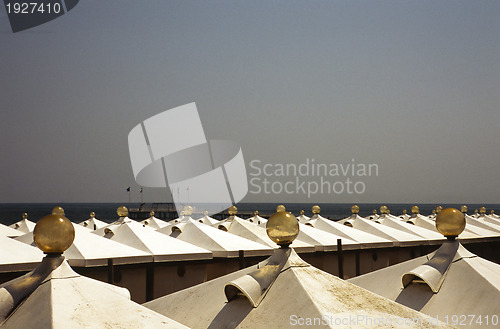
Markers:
<point>340,258</point>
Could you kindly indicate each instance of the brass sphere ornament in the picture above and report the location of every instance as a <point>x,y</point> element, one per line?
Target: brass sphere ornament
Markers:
<point>374,211</point>
<point>464,209</point>
<point>122,211</point>
<point>482,210</point>
<point>53,234</point>
<point>316,209</point>
<point>151,213</point>
<point>256,213</point>
<point>282,228</point>
<point>188,210</point>
<point>280,208</point>
<point>450,222</point>
<point>25,215</point>
<point>355,209</point>
<point>92,214</point>
<point>58,211</point>
<point>302,212</point>
<point>404,211</point>
<point>384,210</point>
<point>438,209</point>
<point>232,210</point>
<point>415,210</point>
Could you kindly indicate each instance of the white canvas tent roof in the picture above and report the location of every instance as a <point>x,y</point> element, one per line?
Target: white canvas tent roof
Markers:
<point>207,219</point>
<point>24,225</point>
<point>154,222</point>
<point>220,243</point>
<point>93,223</point>
<point>92,250</point>
<point>162,247</point>
<point>281,292</point>
<point>257,219</point>
<point>303,218</point>
<point>17,256</point>
<point>253,232</point>
<point>467,284</point>
<point>425,222</point>
<point>398,237</point>
<point>345,232</point>
<point>398,224</point>
<point>480,222</point>
<point>9,231</point>
<point>322,240</point>
<point>64,299</point>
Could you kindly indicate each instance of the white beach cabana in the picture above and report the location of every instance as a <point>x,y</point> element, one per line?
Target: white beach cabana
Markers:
<point>93,223</point>
<point>161,247</point>
<point>207,219</point>
<point>387,220</point>
<point>364,239</point>
<point>256,233</point>
<point>398,237</point>
<point>92,250</point>
<point>220,243</point>
<point>154,222</point>
<point>404,216</point>
<point>448,282</point>
<point>420,220</point>
<point>282,292</point>
<point>9,231</point>
<point>17,256</point>
<point>303,218</point>
<point>54,296</point>
<point>24,225</point>
<point>256,219</point>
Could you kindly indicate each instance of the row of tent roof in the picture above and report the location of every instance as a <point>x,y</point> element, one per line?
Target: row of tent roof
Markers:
<point>280,292</point>
<point>128,241</point>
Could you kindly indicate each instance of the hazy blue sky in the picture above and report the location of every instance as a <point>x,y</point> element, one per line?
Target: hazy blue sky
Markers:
<point>412,86</point>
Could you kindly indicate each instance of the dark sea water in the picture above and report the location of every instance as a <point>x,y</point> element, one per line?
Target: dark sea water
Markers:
<point>77,212</point>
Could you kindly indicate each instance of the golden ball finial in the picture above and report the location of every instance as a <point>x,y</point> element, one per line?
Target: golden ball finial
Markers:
<point>302,212</point>
<point>492,212</point>
<point>415,210</point>
<point>482,210</point>
<point>316,209</point>
<point>404,211</point>
<point>450,222</point>
<point>280,208</point>
<point>122,211</point>
<point>384,210</point>
<point>475,211</point>
<point>433,211</point>
<point>438,209</point>
<point>282,228</point>
<point>53,234</point>
<point>151,213</point>
<point>25,215</point>
<point>355,209</point>
<point>188,210</point>
<point>256,213</point>
<point>464,209</point>
<point>232,210</point>
<point>374,211</point>
<point>92,214</point>
<point>58,211</point>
